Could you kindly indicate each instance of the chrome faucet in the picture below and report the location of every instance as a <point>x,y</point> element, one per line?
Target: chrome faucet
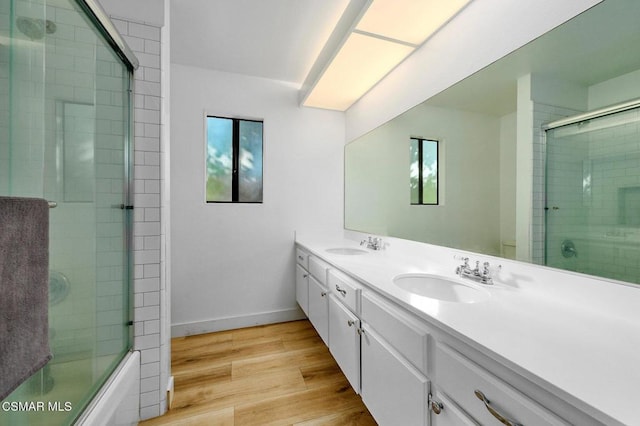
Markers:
<point>373,243</point>
<point>482,276</point>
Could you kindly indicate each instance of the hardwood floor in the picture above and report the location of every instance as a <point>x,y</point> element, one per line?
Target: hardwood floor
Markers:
<point>280,374</point>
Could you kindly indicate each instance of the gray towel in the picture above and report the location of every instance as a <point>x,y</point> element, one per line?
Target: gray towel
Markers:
<point>24,290</point>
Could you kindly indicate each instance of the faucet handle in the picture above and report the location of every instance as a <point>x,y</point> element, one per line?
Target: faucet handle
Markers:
<point>486,269</point>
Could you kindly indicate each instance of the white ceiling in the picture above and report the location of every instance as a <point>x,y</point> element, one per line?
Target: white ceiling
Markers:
<point>595,46</point>
<point>275,39</point>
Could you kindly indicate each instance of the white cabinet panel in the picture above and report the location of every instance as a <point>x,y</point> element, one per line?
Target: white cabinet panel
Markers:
<point>345,340</point>
<point>404,333</point>
<point>392,389</point>
<point>302,258</point>
<point>318,269</point>
<point>461,379</point>
<point>450,414</point>
<point>346,289</point>
<point>319,308</point>
<point>302,289</point>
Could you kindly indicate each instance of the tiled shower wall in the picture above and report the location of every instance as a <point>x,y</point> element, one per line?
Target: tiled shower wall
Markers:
<point>149,292</point>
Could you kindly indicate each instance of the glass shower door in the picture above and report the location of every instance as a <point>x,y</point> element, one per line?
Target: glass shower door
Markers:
<point>593,196</point>
<point>64,128</point>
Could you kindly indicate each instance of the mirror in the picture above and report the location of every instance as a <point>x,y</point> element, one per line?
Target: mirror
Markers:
<point>492,153</point>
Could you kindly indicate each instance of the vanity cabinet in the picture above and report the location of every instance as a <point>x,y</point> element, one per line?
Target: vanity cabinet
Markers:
<point>319,297</point>
<point>394,391</point>
<point>409,370</point>
<point>302,280</point>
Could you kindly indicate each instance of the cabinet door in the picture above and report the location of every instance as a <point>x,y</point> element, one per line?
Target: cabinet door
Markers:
<point>449,413</point>
<point>345,341</point>
<point>319,308</point>
<point>302,289</point>
<point>392,389</point>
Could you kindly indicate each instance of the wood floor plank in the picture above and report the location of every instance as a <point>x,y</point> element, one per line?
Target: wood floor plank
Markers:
<point>355,416</point>
<point>193,375</point>
<point>219,395</point>
<point>280,374</point>
<point>296,407</point>
<point>273,362</point>
<point>203,417</point>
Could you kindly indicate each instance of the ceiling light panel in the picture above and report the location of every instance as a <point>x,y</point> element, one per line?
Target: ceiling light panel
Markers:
<point>359,65</point>
<point>411,21</point>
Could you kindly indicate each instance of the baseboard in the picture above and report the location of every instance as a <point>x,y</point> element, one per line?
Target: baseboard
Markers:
<point>231,323</point>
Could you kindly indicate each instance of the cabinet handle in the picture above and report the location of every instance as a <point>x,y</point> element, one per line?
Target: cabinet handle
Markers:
<point>360,331</point>
<point>301,258</point>
<point>323,294</point>
<point>351,322</point>
<point>341,291</point>
<point>502,419</point>
<point>436,407</point>
<point>305,275</point>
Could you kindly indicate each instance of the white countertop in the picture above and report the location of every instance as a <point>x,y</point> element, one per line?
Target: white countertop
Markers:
<point>583,352</point>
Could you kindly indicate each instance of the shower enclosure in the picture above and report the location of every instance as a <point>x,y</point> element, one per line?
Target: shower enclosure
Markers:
<point>65,120</point>
<point>593,193</point>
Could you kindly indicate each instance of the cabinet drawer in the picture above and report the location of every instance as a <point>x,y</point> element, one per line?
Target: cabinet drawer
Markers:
<point>461,379</point>
<point>318,269</point>
<point>346,290</point>
<point>406,334</point>
<point>302,258</point>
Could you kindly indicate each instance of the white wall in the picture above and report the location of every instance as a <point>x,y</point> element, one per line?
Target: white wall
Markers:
<point>482,33</point>
<point>233,265</point>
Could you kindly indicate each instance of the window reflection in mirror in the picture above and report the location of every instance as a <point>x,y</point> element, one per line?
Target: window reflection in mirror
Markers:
<point>423,171</point>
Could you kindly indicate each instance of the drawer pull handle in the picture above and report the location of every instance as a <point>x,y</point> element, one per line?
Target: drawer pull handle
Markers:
<point>502,419</point>
<point>341,291</point>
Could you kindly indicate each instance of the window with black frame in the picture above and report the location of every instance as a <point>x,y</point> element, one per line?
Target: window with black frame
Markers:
<point>423,171</point>
<point>234,160</point>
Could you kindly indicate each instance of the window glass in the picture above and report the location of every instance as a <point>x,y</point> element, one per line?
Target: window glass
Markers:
<point>219,159</point>
<point>250,162</point>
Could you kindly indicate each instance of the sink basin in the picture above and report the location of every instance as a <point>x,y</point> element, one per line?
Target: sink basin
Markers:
<point>441,288</point>
<point>346,250</point>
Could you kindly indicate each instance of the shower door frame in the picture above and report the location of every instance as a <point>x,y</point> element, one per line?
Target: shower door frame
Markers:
<point>104,25</point>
